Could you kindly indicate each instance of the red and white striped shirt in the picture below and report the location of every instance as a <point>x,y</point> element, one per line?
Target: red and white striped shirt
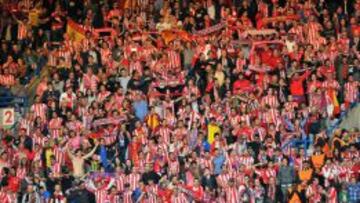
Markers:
<point>101,194</point>
<point>56,168</point>
<point>66,54</point>
<point>333,84</point>
<point>313,194</point>
<point>21,173</point>
<point>136,66</point>
<point>119,182</point>
<point>5,197</point>
<point>133,179</point>
<point>313,34</point>
<point>86,43</point>
<point>234,120</point>
<point>270,116</point>
<point>40,110</point>
<point>239,176</point>
<point>147,51</point>
<point>246,160</point>
<point>351,91</point>
<point>270,100</point>
<point>55,125</point>
<point>223,179</point>
<point>22,31</point>
<point>127,197</point>
<point>102,96</point>
<point>299,32</point>
<point>240,63</point>
<point>174,167</point>
<point>206,163</point>
<point>152,191</point>
<point>270,172</point>
<point>40,140</point>
<point>165,133</point>
<point>68,99</point>
<point>260,131</point>
<point>53,57</point>
<point>174,59</point>
<point>328,172</point>
<point>25,124</point>
<point>232,195</point>
<point>59,155</point>
<point>7,80</point>
<point>179,198</point>
<point>332,198</point>
<point>90,82</point>
<point>105,55</point>
<point>113,198</point>
<point>75,126</point>
<point>263,9</point>
<point>110,139</point>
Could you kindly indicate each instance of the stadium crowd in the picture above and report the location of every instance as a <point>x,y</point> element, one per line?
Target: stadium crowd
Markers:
<point>181,101</point>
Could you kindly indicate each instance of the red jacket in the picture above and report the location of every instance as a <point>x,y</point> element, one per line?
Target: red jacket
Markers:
<point>13,184</point>
<point>241,85</point>
<point>296,85</point>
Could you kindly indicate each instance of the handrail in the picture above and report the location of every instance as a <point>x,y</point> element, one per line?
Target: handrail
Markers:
<point>329,130</point>
<point>9,100</point>
<point>338,122</point>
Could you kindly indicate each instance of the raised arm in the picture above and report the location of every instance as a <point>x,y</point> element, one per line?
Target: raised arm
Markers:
<point>89,185</point>
<point>111,183</point>
<point>69,152</point>
<point>91,153</point>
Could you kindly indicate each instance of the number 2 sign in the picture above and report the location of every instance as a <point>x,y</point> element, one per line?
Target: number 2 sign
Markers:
<point>8,117</point>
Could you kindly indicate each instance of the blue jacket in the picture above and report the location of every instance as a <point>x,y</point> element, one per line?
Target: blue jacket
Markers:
<point>141,109</point>
<point>218,163</point>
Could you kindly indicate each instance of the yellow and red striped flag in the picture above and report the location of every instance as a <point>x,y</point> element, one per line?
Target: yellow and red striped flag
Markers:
<point>75,31</point>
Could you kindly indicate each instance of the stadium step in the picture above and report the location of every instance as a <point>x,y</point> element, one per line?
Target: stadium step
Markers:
<point>352,119</point>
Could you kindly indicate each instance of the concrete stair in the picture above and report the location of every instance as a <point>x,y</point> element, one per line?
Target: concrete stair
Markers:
<point>352,119</point>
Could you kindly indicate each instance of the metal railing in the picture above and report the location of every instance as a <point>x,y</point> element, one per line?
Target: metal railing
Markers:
<point>305,142</point>
<point>11,101</point>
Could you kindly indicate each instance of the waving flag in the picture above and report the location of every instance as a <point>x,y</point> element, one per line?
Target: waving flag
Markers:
<point>75,31</point>
<point>335,102</point>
